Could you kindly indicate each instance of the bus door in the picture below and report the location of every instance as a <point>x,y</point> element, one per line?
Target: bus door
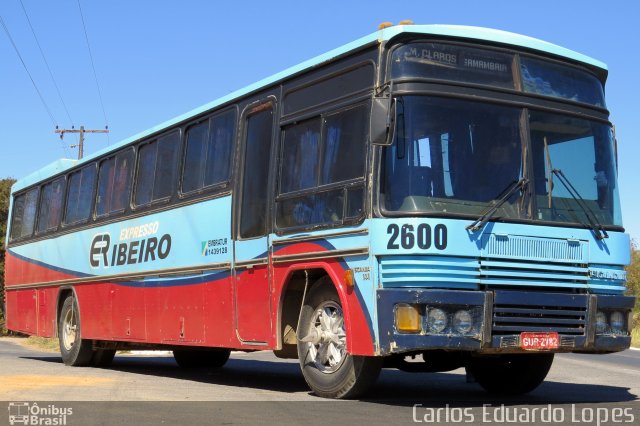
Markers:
<point>251,259</point>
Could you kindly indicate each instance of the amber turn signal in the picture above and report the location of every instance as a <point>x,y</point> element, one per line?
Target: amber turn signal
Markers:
<point>407,318</point>
<point>348,277</point>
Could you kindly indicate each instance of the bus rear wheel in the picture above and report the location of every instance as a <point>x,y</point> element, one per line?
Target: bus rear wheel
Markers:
<point>513,374</point>
<point>75,351</point>
<point>327,367</point>
<point>201,358</point>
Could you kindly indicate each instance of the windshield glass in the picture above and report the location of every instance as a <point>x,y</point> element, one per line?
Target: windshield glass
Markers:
<point>459,157</point>
<point>583,151</point>
<point>452,156</point>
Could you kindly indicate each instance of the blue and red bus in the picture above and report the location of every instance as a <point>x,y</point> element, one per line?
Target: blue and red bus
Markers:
<point>424,198</point>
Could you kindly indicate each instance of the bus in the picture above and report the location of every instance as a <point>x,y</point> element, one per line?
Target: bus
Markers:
<point>425,198</point>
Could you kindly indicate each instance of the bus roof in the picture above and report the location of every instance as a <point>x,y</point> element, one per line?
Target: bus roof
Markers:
<point>386,34</point>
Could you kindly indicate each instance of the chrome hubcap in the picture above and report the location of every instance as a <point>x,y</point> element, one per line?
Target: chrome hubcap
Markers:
<point>327,339</point>
<point>69,329</point>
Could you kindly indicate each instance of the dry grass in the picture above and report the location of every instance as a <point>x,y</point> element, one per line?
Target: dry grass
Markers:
<point>635,337</point>
<point>43,343</point>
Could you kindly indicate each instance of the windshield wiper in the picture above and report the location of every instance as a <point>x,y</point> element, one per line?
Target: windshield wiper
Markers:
<point>594,224</point>
<point>479,223</point>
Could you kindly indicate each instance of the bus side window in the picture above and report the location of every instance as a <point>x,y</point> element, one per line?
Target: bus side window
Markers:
<point>79,195</point>
<point>157,162</point>
<point>50,211</point>
<point>300,156</point>
<point>207,160</point>
<point>17,216</point>
<point>219,148</point>
<point>105,183</point>
<point>122,183</point>
<point>114,183</point>
<point>194,157</point>
<point>326,158</point>
<point>24,214</point>
<point>344,155</point>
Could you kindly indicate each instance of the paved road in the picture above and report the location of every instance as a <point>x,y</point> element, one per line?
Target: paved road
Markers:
<point>268,390</point>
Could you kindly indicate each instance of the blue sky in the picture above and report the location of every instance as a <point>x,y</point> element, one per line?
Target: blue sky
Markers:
<point>158,59</point>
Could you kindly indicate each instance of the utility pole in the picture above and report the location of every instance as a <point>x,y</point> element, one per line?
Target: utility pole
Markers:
<point>82,131</point>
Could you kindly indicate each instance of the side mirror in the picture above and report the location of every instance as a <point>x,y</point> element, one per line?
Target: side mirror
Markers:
<point>381,120</point>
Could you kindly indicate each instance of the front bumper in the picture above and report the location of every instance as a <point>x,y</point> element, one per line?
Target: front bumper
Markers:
<point>501,317</point>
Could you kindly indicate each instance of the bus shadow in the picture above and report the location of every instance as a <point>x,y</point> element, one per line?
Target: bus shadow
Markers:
<point>440,389</point>
<point>256,374</point>
<point>393,387</point>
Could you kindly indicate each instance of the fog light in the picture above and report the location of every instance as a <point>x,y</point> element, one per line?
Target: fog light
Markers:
<point>601,323</point>
<point>617,321</point>
<point>462,322</point>
<point>436,320</point>
<point>407,318</point>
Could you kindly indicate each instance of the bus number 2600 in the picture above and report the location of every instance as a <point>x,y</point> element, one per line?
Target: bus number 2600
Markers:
<point>424,236</point>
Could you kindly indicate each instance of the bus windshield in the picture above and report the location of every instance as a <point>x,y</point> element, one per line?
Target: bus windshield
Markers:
<point>459,157</point>
<point>582,150</point>
<point>452,156</point>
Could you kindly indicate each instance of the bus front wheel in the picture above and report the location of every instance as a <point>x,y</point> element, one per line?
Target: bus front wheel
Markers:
<point>75,351</point>
<point>513,374</point>
<point>327,367</point>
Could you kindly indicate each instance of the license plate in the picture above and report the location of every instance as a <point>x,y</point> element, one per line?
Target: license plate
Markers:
<point>539,341</point>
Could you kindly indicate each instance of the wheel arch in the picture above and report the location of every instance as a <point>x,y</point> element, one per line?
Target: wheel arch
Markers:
<point>289,302</point>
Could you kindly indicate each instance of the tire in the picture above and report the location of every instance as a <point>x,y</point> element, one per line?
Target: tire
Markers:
<point>201,358</point>
<point>103,357</point>
<point>327,367</point>
<point>510,374</point>
<point>75,351</point>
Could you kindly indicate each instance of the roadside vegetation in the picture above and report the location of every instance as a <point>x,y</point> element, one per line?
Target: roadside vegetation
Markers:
<point>633,288</point>
<point>42,343</point>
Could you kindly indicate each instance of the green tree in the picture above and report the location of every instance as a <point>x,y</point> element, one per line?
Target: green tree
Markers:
<point>633,274</point>
<point>5,191</point>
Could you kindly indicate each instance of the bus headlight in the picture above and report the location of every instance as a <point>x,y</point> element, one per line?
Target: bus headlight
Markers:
<point>462,322</point>
<point>617,321</point>
<point>601,323</point>
<point>436,320</point>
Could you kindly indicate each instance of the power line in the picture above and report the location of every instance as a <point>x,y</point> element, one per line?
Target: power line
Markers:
<point>64,146</point>
<point>46,63</point>
<point>46,107</point>
<point>95,76</point>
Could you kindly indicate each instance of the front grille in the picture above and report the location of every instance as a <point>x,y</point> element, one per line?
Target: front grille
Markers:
<point>429,271</point>
<point>496,273</point>
<point>513,260</point>
<point>543,312</point>
<point>535,248</point>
